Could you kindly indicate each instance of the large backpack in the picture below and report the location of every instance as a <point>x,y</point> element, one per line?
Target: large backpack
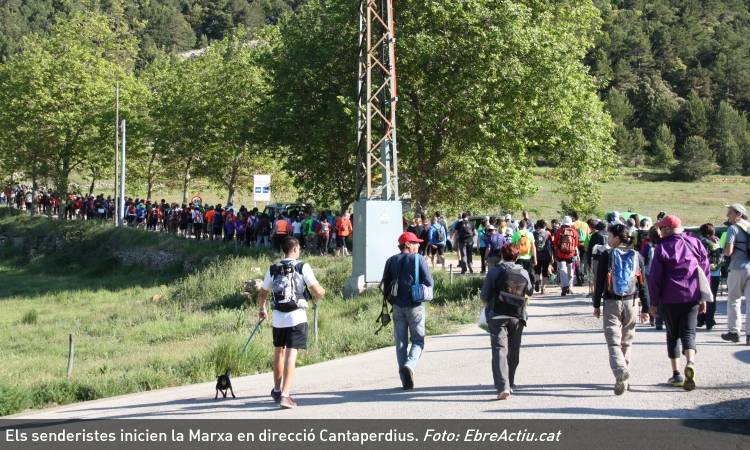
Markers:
<point>540,241</point>
<point>566,245</point>
<point>624,272</point>
<point>286,276</point>
<point>495,243</point>
<point>510,292</point>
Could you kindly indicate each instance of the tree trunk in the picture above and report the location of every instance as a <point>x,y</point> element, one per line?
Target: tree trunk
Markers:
<point>93,183</point>
<point>186,180</point>
<point>233,179</point>
<point>150,175</point>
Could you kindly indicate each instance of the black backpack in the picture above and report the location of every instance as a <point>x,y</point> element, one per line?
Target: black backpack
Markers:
<point>510,291</point>
<point>286,276</point>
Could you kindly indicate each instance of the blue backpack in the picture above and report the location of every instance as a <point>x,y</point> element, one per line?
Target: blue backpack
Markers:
<point>624,272</point>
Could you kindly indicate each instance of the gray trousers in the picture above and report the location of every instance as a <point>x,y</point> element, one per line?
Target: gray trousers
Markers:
<point>738,287</point>
<point>620,318</point>
<point>505,337</point>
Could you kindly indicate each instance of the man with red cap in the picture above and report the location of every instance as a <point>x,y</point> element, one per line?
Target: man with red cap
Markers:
<point>400,274</point>
<point>673,284</point>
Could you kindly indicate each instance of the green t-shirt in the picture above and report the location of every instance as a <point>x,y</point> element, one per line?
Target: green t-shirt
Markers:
<point>517,238</point>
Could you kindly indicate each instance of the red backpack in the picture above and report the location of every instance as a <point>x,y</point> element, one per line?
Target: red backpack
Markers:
<point>566,244</point>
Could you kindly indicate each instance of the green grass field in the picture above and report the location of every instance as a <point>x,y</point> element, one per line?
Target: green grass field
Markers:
<point>646,192</point>
<point>139,329</point>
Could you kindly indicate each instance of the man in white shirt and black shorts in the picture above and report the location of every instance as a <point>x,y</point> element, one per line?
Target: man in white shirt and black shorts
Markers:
<point>289,300</point>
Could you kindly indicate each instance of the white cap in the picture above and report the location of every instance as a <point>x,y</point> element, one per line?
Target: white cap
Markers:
<point>508,217</point>
<point>567,221</point>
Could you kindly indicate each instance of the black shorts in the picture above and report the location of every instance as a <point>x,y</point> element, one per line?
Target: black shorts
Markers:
<point>542,268</point>
<point>437,249</point>
<point>340,241</point>
<point>291,337</point>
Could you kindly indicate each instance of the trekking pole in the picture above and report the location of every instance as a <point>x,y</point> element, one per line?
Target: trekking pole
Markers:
<point>315,322</point>
<point>450,273</point>
<point>252,335</point>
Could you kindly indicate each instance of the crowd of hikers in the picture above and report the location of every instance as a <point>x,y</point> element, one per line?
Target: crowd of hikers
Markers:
<point>657,273</point>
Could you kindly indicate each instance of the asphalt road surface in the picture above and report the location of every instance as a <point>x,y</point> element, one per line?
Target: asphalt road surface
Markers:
<point>564,373</point>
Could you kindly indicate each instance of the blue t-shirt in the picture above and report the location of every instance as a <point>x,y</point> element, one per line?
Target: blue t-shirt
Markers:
<point>401,267</point>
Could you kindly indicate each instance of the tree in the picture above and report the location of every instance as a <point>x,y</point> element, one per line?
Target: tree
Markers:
<point>57,95</point>
<point>662,147</point>
<point>729,136</point>
<point>691,119</point>
<point>485,88</point>
<point>697,160</point>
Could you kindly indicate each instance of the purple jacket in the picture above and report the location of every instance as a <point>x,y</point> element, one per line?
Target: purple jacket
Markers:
<point>673,277</point>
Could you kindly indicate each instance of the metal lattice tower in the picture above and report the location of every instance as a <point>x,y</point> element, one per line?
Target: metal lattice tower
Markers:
<point>377,158</point>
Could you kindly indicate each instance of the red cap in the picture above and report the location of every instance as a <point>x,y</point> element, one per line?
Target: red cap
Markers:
<point>409,237</point>
<point>670,222</point>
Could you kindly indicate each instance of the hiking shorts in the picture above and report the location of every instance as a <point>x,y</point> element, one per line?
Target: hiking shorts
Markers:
<point>340,241</point>
<point>437,249</point>
<point>291,337</point>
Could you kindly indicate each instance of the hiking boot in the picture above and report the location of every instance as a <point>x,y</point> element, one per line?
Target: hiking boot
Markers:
<point>407,378</point>
<point>689,383</point>
<point>564,292</point>
<point>621,382</point>
<point>747,340</point>
<point>287,402</point>
<point>659,327</point>
<point>731,337</point>
<point>676,380</point>
<point>505,395</point>
<point>536,286</point>
<point>276,395</point>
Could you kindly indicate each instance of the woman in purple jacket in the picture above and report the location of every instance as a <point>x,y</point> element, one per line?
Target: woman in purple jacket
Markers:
<point>673,285</point>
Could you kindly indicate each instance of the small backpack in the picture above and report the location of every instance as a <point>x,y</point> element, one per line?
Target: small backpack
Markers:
<point>286,276</point>
<point>715,254</point>
<point>524,245</point>
<point>495,243</point>
<point>540,241</point>
<point>566,240</point>
<point>439,233</point>
<point>510,292</point>
<point>624,272</point>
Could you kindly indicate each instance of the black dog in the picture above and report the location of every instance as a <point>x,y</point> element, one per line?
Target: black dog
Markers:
<point>223,383</point>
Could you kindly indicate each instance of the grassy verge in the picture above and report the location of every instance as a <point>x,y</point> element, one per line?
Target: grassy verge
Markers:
<point>140,329</point>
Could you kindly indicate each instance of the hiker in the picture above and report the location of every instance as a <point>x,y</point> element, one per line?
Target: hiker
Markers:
<point>482,243</point>
<point>583,233</point>
<point>619,284</point>
<point>736,249</point>
<point>598,243</point>
<point>504,293</point>
<point>524,239</point>
<point>715,258</point>
<point>437,238</point>
<point>408,314</point>
<point>324,234</point>
<point>673,284</point>
<point>343,231</point>
<point>291,284</point>
<point>465,233</point>
<point>281,229</point>
<point>544,255</point>
<point>566,252</point>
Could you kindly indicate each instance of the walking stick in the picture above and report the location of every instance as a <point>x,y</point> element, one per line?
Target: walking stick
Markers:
<point>315,321</point>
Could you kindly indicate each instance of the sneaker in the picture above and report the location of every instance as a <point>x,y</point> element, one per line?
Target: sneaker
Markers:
<point>287,402</point>
<point>747,340</point>
<point>676,380</point>
<point>689,383</point>
<point>407,378</point>
<point>659,327</point>
<point>621,382</point>
<point>276,395</point>
<point>505,395</point>
<point>731,337</point>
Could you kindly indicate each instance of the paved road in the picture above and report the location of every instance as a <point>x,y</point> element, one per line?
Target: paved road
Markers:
<point>564,373</point>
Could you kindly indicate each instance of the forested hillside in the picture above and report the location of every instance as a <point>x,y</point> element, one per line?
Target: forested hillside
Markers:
<point>171,25</point>
<point>676,78</point>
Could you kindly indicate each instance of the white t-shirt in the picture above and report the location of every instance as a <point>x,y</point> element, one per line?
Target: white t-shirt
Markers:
<point>299,315</point>
<point>296,228</point>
